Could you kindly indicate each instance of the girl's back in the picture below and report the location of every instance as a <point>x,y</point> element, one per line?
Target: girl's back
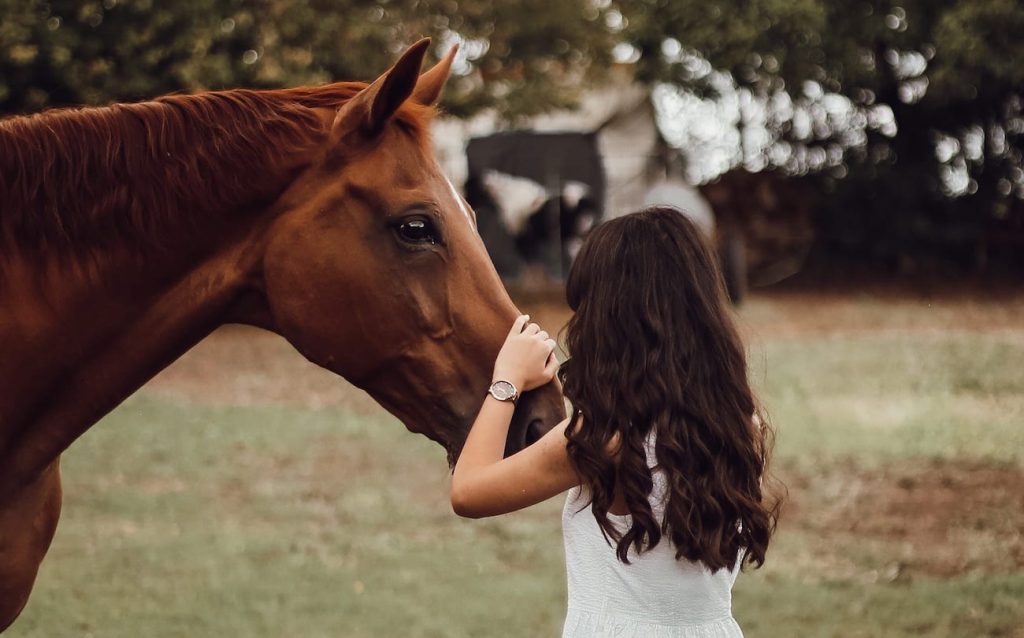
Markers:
<point>655,595</point>
<point>672,435</point>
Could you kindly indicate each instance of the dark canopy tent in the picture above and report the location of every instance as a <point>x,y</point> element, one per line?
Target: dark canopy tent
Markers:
<point>550,159</point>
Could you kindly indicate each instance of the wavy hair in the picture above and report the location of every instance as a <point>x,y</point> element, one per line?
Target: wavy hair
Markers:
<point>652,348</point>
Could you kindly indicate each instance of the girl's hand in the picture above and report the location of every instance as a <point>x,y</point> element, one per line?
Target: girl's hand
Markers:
<point>527,359</point>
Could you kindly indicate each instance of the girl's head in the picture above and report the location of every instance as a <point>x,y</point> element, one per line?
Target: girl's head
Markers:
<point>653,348</point>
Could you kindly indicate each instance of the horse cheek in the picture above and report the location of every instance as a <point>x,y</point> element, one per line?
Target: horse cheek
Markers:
<point>308,293</point>
<point>431,297</point>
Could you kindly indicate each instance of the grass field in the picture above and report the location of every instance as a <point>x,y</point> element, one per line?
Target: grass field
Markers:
<point>246,493</point>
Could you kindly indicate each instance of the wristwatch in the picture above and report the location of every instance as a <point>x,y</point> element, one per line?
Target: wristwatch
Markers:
<point>503,391</point>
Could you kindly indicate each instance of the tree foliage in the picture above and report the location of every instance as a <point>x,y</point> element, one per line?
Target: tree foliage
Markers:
<point>949,72</point>
<point>521,57</point>
<point>933,141</point>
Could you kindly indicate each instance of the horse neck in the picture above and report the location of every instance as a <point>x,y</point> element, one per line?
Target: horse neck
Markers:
<point>82,334</point>
<point>71,360</point>
<point>125,235</point>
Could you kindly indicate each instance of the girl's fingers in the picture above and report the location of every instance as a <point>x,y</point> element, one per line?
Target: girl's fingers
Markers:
<point>542,335</point>
<point>551,363</point>
<point>551,368</point>
<point>531,329</point>
<point>517,325</point>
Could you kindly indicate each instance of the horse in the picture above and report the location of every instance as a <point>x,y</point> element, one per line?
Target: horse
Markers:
<point>130,232</point>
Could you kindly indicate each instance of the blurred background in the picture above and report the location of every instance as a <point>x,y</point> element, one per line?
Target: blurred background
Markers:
<point>859,166</point>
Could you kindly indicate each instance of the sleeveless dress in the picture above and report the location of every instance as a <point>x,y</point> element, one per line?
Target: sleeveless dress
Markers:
<point>655,596</point>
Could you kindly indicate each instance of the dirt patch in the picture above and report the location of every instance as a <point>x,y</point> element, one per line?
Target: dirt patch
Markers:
<point>786,315</point>
<point>245,366</point>
<point>938,519</point>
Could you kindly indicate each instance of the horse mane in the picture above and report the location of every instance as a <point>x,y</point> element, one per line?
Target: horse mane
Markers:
<point>78,178</point>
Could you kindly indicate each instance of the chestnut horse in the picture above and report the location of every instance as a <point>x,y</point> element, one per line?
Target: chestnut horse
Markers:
<point>130,232</point>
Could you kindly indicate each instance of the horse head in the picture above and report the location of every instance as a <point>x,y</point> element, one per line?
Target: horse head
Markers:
<point>373,267</point>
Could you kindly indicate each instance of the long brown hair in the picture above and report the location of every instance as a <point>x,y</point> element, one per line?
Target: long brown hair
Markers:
<point>653,348</point>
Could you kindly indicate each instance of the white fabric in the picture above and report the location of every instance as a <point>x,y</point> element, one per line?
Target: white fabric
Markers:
<point>677,193</point>
<point>517,198</point>
<point>654,596</point>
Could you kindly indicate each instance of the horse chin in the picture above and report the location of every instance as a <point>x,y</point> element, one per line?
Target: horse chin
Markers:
<point>535,429</point>
<point>537,412</point>
<point>522,433</point>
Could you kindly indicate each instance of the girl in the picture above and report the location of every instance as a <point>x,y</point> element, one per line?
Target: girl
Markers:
<point>663,454</point>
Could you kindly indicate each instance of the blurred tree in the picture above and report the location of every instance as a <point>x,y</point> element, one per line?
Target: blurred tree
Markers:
<point>934,151</point>
<point>925,142</point>
<point>520,57</point>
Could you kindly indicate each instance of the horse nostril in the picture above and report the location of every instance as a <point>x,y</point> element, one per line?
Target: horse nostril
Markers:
<point>534,431</point>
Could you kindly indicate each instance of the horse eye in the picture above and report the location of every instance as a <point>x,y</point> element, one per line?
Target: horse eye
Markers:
<point>418,230</point>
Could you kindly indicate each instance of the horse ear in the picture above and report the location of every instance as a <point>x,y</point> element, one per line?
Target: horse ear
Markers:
<point>372,107</point>
<point>429,86</point>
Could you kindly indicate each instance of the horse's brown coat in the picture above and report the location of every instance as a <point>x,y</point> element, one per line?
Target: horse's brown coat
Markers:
<point>130,232</point>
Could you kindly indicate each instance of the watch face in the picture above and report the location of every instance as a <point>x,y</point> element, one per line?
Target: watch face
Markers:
<point>503,390</point>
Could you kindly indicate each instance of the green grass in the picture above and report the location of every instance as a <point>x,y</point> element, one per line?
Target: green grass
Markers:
<point>885,397</point>
<point>200,521</point>
<point>966,607</point>
<point>222,521</point>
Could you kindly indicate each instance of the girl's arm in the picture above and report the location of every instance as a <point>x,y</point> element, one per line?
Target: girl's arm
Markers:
<point>484,483</point>
<point>492,485</point>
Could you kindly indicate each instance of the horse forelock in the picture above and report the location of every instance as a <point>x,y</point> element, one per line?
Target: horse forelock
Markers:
<point>79,179</point>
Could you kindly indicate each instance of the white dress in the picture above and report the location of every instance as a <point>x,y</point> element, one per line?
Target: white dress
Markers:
<point>654,596</point>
